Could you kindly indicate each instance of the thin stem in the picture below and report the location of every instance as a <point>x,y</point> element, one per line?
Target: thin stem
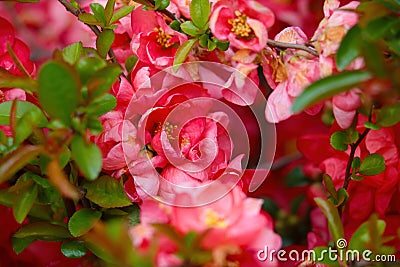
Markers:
<point>303,47</point>
<point>76,12</point>
<point>351,157</point>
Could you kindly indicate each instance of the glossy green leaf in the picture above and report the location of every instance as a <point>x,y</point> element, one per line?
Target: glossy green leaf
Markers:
<point>130,63</point>
<point>104,42</point>
<point>343,196</point>
<point>161,4</point>
<point>371,125</point>
<point>356,163</point>
<point>72,53</point>
<point>388,115</point>
<point>101,252</point>
<point>87,66</point>
<point>175,25</point>
<point>73,249</point>
<point>23,107</point>
<point>87,156</point>
<point>211,45</point>
<point>189,28</point>
<point>109,10</point>
<point>107,192</point>
<point>120,13</point>
<point>222,45</point>
<point>374,59</point>
<point>203,40</point>
<point>98,11</point>
<point>200,11</point>
<point>19,244</point>
<point>58,90</point>
<point>8,80</point>
<point>328,87</point>
<point>329,186</point>
<point>82,221</point>
<point>380,27</point>
<point>16,160</point>
<point>89,19</point>
<point>102,81</point>
<point>362,236</point>
<point>332,215</point>
<point>27,123</point>
<point>43,231</point>
<point>24,202</point>
<point>182,52</point>
<point>102,105</point>
<point>372,164</point>
<point>350,48</point>
<point>338,141</point>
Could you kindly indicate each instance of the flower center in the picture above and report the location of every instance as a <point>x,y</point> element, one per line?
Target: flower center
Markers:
<point>211,219</point>
<point>2,97</point>
<point>240,27</point>
<point>163,38</point>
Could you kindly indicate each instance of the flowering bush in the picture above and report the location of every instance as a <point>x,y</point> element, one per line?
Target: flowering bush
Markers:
<point>199,133</point>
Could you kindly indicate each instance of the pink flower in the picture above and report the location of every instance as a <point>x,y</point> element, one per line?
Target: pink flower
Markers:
<point>153,40</point>
<point>243,23</point>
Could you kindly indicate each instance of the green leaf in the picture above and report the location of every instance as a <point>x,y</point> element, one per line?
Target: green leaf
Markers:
<point>175,25</point>
<point>58,90</point>
<point>87,156</point>
<point>98,11</point>
<point>189,28</point>
<point>19,244</point>
<point>222,45</point>
<point>82,221</point>
<point>72,53</point>
<point>182,52</point>
<point>104,42</point>
<point>107,192</point>
<point>161,4</point>
<point>87,66</point>
<point>27,123</point>
<point>203,40</point>
<point>95,126</point>
<point>200,11</point>
<point>109,10</point>
<point>322,257</point>
<point>73,249</point>
<point>362,236</point>
<point>372,164</point>
<point>296,178</point>
<point>43,231</point>
<point>130,63</point>
<point>343,196</point>
<point>102,81</point>
<point>133,214</point>
<point>101,252</point>
<point>371,125</point>
<point>8,80</point>
<point>329,186</point>
<point>89,19</point>
<point>23,108</point>
<point>332,215</point>
<point>328,87</point>
<point>374,59</point>
<point>388,115</point>
<point>24,202</point>
<point>16,160</point>
<point>211,45</point>
<point>339,141</point>
<point>356,163</point>
<point>102,105</point>
<point>350,48</point>
<point>380,27</point>
<point>120,13</point>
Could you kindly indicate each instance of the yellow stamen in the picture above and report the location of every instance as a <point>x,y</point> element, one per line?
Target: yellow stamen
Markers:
<point>163,38</point>
<point>240,27</point>
<point>212,219</point>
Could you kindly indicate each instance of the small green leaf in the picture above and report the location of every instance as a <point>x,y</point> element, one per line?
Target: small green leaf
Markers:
<point>175,25</point>
<point>73,249</point>
<point>388,115</point>
<point>82,221</point>
<point>182,52</point>
<point>322,257</point>
<point>203,40</point>
<point>130,63</point>
<point>109,10</point>
<point>72,53</point>
<point>87,66</point>
<point>24,202</point>
<point>161,4</point>
<point>350,48</point>
<point>338,141</point>
<point>87,156</point>
<point>121,12</point>
<point>371,125</point>
<point>98,11</point>
<point>343,196</point>
<point>332,215</point>
<point>329,186</point>
<point>107,192</point>
<point>19,244</point>
<point>58,90</point>
<point>89,19</point>
<point>372,164</point>
<point>374,59</point>
<point>362,236</point>
<point>23,108</point>
<point>189,28</point>
<point>102,105</point>
<point>296,177</point>
<point>356,178</point>
<point>380,27</point>
<point>27,123</point>
<point>95,126</point>
<point>200,11</point>
<point>211,45</point>
<point>102,81</point>
<point>356,163</point>
<point>222,45</point>
<point>43,231</point>
<point>8,80</point>
<point>104,42</point>
<point>328,87</point>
